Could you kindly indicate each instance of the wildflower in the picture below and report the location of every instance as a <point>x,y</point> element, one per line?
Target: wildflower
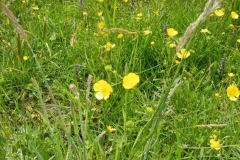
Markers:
<point>214,143</point>
<point>101,25</point>
<point>234,15</point>
<point>183,54</point>
<point>139,16</point>
<point>102,89</point>
<point>100,1</point>
<point>231,74</point>
<point>238,40</point>
<point>217,95</point>
<point>177,62</point>
<point>25,58</point>
<point>99,14</point>
<point>125,1</point>
<point>110,129</point>
<point>24,1</point>
<point>109,46</point>
<point>85,13</point>
<point>147,32</point>
<point>34,7</point>
<point>205,31</point>
<point>219,12</point>
<point>95,34</point>
<point>172,45</point>
<point>152,43</point>
<point>172,32</point>
<point>130,80</point>
<point>232,92</point>
<point>156,13</point>
<point>120,35</point>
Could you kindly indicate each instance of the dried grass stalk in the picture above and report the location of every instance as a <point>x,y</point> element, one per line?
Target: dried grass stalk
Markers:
<point>210,6</point>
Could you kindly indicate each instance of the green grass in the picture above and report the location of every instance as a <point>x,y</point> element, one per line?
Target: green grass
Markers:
<point>41,118</point>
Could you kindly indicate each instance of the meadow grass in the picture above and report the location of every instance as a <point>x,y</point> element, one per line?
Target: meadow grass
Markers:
<point>179,109</point>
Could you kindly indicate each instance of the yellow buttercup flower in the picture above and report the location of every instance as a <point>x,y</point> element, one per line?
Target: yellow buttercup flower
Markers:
<point>217,95</point>
<point>109,46</point>
<point>101,25</point>
<point>205,31</point>
<point>102,89</point>
<point>111,129</point>
<point>130,80</point>
<point>172,45</point>
<point>120,35</point>
<point>156,12</point>
<point>25,58</point>
<point>100,1</point>
<point>214,143</point>
<point>85,13</point>
<point>147,32</point>
<point>35,7</point>
<point>99,14</point>
<point>231,74</point>
<point>219,12</point>
<point>24,1</point>
<point>139,16</point>
<point>232,92</point>
<point>234,15</point>
<point>172,32</point>
<point>183,53</point>
<point>177,62</point>
<point>238,40</point>
<point>125,1</point>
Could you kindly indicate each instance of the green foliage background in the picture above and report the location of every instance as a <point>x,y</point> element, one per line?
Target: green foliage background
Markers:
<point>40,118</point>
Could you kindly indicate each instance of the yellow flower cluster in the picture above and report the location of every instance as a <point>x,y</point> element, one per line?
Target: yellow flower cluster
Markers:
<point>109,46</point>
<point>103,89</point>
<point>220,13</point>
